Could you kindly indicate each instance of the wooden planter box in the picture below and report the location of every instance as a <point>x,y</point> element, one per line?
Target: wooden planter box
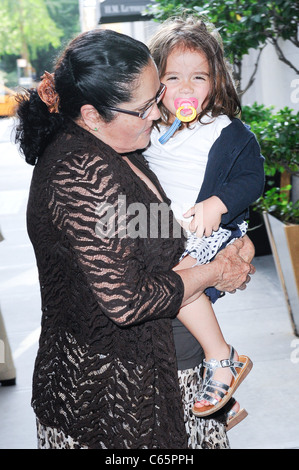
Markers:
<point>284,241</point>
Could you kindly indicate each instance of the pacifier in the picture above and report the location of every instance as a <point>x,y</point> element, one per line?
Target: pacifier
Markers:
<point>186,109</point>
<point>185,112</point>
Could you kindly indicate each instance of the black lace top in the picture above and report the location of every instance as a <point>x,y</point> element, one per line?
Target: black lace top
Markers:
<point>105,372</point>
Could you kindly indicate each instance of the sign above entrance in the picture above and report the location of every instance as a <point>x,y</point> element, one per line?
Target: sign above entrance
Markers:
<point>119,11</point>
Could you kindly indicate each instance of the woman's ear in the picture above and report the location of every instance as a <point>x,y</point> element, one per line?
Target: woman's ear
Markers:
<point>90,116</point>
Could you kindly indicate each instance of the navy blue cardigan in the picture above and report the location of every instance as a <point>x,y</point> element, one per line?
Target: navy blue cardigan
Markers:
<point>234,172</point>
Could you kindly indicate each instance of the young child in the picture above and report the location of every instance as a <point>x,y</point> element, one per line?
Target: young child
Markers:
<point>208,162</point>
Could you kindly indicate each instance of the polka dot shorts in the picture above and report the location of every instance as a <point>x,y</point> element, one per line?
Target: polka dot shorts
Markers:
<point>204,249</point>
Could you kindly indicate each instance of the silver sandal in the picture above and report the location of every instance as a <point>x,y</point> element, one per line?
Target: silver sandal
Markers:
<point>239,369</point>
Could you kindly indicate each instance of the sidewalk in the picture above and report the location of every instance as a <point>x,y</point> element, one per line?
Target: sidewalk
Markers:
<point>255,321</point>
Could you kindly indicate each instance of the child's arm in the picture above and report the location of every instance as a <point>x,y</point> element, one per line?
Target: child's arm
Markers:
<point>207,216</point>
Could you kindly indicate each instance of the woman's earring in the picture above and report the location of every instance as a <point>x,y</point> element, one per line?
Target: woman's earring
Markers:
<point>95,128</point>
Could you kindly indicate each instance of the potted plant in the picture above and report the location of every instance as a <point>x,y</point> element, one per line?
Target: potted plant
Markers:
<point>282,223</point>
<point>278,136</point>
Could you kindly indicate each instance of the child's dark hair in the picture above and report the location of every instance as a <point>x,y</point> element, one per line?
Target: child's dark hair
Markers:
<point>100,68</point>
<point>192,33</point>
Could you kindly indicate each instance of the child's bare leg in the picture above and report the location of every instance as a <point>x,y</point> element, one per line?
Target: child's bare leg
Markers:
<point>200,319</point>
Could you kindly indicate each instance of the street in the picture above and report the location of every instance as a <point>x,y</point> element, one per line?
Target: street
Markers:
<point>255,321</point>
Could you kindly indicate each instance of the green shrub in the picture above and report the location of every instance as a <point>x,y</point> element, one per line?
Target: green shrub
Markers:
<point>278,136</point>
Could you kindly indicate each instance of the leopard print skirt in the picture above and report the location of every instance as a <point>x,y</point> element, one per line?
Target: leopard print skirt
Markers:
<point>52,438</point>
<point>202,433</point>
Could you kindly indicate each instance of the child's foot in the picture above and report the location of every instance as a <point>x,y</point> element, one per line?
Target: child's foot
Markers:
<point>221,374</point>
<point>218,386</point>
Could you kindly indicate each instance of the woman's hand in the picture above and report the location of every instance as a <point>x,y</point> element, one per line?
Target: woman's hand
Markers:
<point>247,251</point>
<point>227,272</point>
<point>234,264</point>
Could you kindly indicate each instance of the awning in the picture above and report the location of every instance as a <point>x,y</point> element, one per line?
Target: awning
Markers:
<point>119,11</point>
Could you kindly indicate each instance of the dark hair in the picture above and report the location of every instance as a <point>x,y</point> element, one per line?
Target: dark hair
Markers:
<point>194,34</point>
<point>98,67</point>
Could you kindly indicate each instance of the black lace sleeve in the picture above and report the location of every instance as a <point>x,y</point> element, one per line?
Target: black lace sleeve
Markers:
<point>127,285</point>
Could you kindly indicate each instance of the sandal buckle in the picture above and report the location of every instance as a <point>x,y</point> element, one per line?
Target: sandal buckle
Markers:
<point>226,363</point>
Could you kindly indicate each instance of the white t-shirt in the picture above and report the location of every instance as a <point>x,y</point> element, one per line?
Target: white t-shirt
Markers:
<point>180,163</point>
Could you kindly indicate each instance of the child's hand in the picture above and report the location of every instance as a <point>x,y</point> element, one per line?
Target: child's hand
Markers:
<point>207,216</point>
